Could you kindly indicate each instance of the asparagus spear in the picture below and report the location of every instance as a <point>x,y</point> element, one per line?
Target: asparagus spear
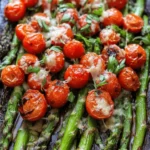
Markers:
<point>72,125</point>
<point>87,138</point>
<point>11,54</point>
<point>10,116</point>
<point>140,4</point>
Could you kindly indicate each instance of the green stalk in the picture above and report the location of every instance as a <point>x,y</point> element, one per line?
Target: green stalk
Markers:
<point>11,54</point>
<point>140,5</point>
<point>127,124</point>
<point>87,138</point>
<point>72,125</point>
<point>98,140</point>
<point>10,116</point>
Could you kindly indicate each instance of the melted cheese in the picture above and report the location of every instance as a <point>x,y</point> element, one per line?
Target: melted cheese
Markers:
<point>51,59</point>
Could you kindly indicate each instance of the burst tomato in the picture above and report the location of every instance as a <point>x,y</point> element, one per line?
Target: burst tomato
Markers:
<point>99,104</point>
<point>112,16</point>
<point>33,105</point>
<point>112,85</point>
<point>128,79</point>
<point>34,43</point>
<point>22,30</point>
<point>76,76</point>
<point>135,56</point>
<point>57,93</point>
<point>30,3</point>
<point>12,76</point>
<point>54,60</point>
<point>119,4</point>
<point>109,36</point>
<point>74,49</point>
<point>15,11</point>
<point>28,60</point>
<point>133,23</point>
<point>46,5</point>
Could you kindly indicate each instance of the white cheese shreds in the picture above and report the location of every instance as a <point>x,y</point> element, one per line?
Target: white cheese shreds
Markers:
<point>51,59</point>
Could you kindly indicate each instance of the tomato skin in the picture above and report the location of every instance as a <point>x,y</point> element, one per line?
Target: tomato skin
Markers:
<point>27,60</point>
<point>128,79</point>
<point>109,36</point>
<point>113,50</point>
<point>34,105</point>
<point>94,25</point>
<point>112,16</point>
<point>71,12</point>
<point>133,23</point>
<point>112,87</point>
<point>12,76</point>
<point>117,4</point>
<point>76,76</point>
<point>30,3</point>
<point>54,61</point>
<point>22,30</point>
<point>57,93</point>
<point>135,56</point>
<point>49,5</point>
<point>34,43</point>
<point>35,80</point>
<point>92,100</point>
<point>74,49</point>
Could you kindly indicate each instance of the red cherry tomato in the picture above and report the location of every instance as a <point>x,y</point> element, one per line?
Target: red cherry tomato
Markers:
<point>30,3</point>
<point>33,106</point>
<point>76,76</point>
<point>40,80</point>
<point>46,5</point>
<point>109,36</point>
<point>15,11</point>
<point>28,60</point>
<point>133,23</point>
<point>61,34</point>
<point>57,93</point>
<point>12,76</point>
<point>22,30</point>
<point>54,60</point>
<point>128,79</point>
<point>69,16</point>
<point>99,104</point>
<point>113,50</point>
<point>34,43</point>
<point>94,63</point>
<point>112,86</point>
<point>112,16</point>
<point>135,56</point>
<point>87,25</point>
<point>119,4</point>
<point>74,49</point>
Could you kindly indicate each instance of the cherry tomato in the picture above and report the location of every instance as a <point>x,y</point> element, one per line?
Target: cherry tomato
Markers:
<point>34,43</point>
<point>22,30</point>
<point>69,16</point>
<point>109,36</point>
<point>112,85</point>
<point>74,49</point>
<point>30,3</point>
<point>46,5</point>
<point>128,79</point>
<point>112,16</point>
<point>61,34</point>
<point>87,25</point>
<point>39,80</point>
<point>135,56</point>
<point>99,104</point>
<point>113,50</point>
<point>12,76</point>
<point>33,106</point>
<point>54,60</point>
<point>94,63</point>
<point>28,60</point>
<point>76,76</point>
<point>133,23</point>
<point>57,93</point>
<point>39,16</point>
<point>119,4</point>
<point>14,11</point>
